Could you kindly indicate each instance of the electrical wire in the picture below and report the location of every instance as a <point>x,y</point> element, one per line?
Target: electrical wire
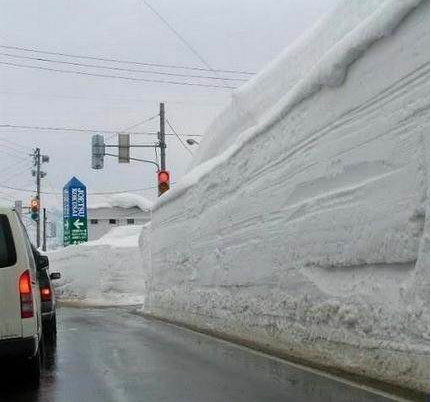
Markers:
<point>136,190</point>
<point>6,196</point>
<point>133,126</point>
<point>182,143</point>
<point>140,123</point>
<point>122,69</point>
<point>183,40</point>
<point>59,199</point>
<point>13,166</point>
<point>120,100</point>
<point>11,155</point>
<point>9,148</point>
<point>16,144</point>
<point>86,130</point>
<point>17,174</point>
<point>191,84</point>
<point>170,66</point>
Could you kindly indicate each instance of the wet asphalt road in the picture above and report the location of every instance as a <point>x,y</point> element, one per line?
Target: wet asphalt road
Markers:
<point>115,355</point>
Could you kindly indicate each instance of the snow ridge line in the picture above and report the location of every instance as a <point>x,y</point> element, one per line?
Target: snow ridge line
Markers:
<point>330,71</point>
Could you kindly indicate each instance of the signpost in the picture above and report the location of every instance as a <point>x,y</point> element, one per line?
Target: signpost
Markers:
<point>74,212</point>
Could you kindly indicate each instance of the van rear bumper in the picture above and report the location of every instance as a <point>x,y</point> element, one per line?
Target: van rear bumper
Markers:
<point>18,347</point>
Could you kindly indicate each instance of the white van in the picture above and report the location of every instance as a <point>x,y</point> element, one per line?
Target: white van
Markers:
<point>20,304</point>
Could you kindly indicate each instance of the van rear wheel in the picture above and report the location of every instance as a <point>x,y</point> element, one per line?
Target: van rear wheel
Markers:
<point>50,328</point>
<point>34,367</point>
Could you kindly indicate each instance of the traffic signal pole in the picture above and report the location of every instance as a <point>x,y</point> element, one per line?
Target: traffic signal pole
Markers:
<point>98,152</point>
<point>37,161</point>
<point>44,230</point>
<point>163,175</point>
<point>162,138</point>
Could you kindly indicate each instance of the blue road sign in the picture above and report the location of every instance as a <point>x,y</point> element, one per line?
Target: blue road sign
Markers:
<point>75,212</point>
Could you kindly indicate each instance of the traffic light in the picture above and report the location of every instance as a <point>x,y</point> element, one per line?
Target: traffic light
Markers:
<point>97,151</point>
<point>34,208</point>
<point>163,176</point>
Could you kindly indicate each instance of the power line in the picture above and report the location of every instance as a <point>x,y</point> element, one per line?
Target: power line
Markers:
<point>192,84</point>
<point>170,66</point>
<point>12,155</point>
<point>52,188</point>
<point>9,148</point>
<point>15,143</point>
<point>122,69</point>
<point>182,143</point>
<point>20,162</point>
<point>136,190</point>
<point>182,39</point>
<point>6,196</point>
<point>122,100</point>
<point>86,130</point>
<point>134,125</point>
<point>17,173</point>
<point>140,123</point>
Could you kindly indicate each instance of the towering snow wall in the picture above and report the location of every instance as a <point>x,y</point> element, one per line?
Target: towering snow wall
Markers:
<point>303,225</point>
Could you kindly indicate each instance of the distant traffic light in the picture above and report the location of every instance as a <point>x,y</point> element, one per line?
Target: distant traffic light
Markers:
<point>163,176</point>
<point>34,208</point>
<point>97,151</point>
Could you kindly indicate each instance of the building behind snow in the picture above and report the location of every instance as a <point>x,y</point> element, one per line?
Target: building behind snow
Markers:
<point>120,210</point>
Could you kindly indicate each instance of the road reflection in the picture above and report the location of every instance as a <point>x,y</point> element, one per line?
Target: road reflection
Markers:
<point>14,387</point>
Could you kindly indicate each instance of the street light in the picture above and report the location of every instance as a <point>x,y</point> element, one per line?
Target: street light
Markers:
<point>191,141</point>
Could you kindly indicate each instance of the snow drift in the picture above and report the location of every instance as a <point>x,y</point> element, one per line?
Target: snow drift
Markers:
<point>107,271</point>
<point>303,225</point>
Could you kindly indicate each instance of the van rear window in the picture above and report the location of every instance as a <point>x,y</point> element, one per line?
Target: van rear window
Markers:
<point>7,246</point>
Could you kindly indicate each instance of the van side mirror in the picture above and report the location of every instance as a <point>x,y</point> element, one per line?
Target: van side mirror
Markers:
<point>42,262</point>
<point>55,275</point>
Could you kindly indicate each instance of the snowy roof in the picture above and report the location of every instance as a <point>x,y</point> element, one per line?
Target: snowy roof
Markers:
<point>125,200</point>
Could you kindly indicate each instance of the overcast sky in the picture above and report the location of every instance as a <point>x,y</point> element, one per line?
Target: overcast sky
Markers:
<point>231,35</point>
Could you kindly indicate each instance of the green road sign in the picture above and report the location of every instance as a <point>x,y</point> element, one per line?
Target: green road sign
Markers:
<point>74,213</point>
<point>75,230</point>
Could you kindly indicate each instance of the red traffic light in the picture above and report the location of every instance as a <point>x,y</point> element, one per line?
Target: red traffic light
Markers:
<point>34,205</point>
<point>163,176</point>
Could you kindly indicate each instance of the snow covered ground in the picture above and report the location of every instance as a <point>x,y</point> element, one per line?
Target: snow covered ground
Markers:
<point>107,271</point>
<point>303,224</point>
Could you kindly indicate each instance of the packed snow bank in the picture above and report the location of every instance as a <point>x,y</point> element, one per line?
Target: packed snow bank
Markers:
<point>106,271</point>
<point>303,225</point>
<point>125,200</point>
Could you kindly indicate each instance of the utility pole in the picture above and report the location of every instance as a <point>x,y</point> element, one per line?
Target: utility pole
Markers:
<point>37,162</point>
<point>162,138</point>
<point>44,230</point>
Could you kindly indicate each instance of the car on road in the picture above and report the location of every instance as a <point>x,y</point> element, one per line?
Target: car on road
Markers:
<point>47,294</point>
<point>20,300</point>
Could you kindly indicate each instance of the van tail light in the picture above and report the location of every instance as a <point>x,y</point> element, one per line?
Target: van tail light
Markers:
<point>45,293</point>
<point>26,295</point>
